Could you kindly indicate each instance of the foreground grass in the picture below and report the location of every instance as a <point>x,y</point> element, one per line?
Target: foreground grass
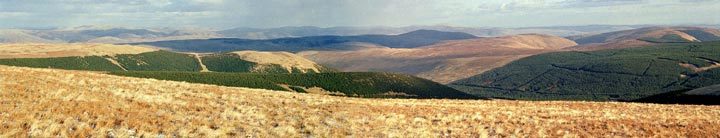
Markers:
<point>50,103</point>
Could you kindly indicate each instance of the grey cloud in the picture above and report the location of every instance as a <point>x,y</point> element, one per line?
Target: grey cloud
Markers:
<point>325,13</point>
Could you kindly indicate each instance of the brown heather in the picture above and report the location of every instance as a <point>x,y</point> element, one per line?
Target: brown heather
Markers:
<point>50,103</point>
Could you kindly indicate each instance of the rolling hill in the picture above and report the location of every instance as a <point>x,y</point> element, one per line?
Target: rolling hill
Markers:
<point>261,62</point>
<point>62,103</point>
<point>644,37</point>
<point>266,70</point>
<point>105,57</point>
<point>443,62</point>
<point>120,34</point>
<point>620,74</point>
<point>102,34</point>
<point>406,40</point>
<point>305,31</point>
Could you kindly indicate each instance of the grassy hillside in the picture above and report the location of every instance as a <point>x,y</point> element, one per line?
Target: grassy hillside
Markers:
<point>231,62</point>
<point>622,74</point>
<point>670,38</point>
<point>59,103</point>
<point>156,61</point>
<point>702,35</point>
<point>407,40</point>
<point>149,61</point>
<point>366,84</point>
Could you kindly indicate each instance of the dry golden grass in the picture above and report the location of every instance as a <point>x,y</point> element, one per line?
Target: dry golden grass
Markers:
<point>41,50</point>
<point>284,59</point>
<point>50,103</point>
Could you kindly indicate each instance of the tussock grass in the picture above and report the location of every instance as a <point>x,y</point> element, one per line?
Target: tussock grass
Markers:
<point>50,103</point>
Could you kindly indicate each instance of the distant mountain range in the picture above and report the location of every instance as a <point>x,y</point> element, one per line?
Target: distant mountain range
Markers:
<point>113,34</point>
<point>441,56</point>
<point>101,34</point>
<point>642,64</point>
<point>406,40</point>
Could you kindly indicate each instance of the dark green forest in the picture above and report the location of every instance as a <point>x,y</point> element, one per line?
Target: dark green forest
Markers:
<point>359,84</point>
<point>94,63</point>
<point>158,61</point>
<point>620,74</point>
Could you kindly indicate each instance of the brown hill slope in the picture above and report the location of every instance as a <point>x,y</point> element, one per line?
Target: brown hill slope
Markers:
<point>57,103</point>
<point>443,62</point>
<point>644,37</point>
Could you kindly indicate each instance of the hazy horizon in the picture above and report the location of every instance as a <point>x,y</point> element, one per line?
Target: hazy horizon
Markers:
<point>224,14</point>
<point>227,28</point>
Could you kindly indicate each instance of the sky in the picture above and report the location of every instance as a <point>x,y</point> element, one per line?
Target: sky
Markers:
<point>224,14</point>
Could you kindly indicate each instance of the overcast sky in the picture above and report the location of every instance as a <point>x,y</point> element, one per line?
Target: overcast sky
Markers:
<point>222,14</point>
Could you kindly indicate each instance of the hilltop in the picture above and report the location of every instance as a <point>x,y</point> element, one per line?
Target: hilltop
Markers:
<point>617,74</point>
<point>442,62</point>
<point>261,62</point>
<point>645,36</point>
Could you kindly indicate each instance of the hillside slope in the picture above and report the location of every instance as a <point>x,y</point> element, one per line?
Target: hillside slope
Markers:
<point>621,74</point>
<point>106,57</point>
<point>706,95</point>
<point>443,62</point>
<point>406,40</point>
<point>645,36</point>
<point>261,62</point>
<point>83,104</point>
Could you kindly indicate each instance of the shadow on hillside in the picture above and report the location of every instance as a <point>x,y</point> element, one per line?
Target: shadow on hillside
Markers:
<point>679,97</point>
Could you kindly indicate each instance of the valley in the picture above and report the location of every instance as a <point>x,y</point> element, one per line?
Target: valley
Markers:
<point>443,62</point>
